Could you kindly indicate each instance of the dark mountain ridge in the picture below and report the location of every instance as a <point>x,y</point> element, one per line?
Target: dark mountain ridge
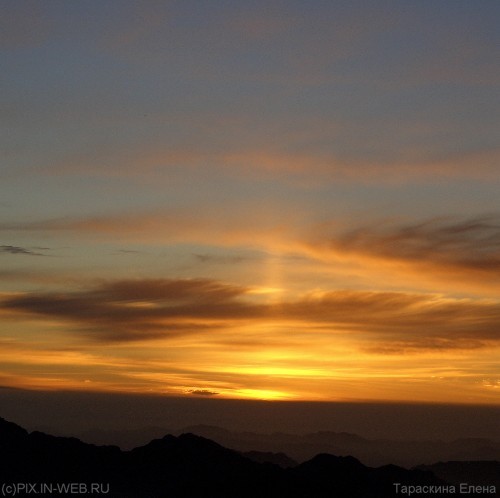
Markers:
<point>188,466</point>
<point>372,452</point>
<point>301,447</point>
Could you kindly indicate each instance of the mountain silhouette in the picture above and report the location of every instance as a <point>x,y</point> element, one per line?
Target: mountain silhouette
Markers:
<point>190,466</point>
<point>484,473</point>
<point>372,452</point>
<point>279,459</point>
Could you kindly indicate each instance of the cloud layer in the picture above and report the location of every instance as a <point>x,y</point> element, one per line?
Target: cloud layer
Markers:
<point>467,246</point>
<point>138,310</point>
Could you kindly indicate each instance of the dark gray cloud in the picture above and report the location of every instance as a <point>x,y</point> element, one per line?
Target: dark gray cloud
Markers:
<point>169,290</point>
<point>128,310</point>
<point>202,392</point>
<point>468,245</point>
<point>20,250</point>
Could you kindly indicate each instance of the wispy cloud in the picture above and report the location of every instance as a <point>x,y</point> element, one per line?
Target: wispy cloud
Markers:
<point>221,259</point>
<point>136,310</point>
<point>471,245</point>
<point>378,160</point>
<point>20,250</point>
<point>127,251</point>
<point>465,251</point>
<point>215,226</point>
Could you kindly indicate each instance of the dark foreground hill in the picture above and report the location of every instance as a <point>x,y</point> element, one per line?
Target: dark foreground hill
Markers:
<point>187,466</point>
<point>479,472</point>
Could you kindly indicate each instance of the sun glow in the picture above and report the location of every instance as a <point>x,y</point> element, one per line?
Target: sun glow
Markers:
<point>262,394</point>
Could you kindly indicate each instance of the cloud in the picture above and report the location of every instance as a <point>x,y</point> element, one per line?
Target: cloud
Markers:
<point>127,251</point>
<point>202,392</point>
<point>128,310</point>
<point>360,153</point>
<point>383,322</point>
<point>214,225</point>
<point>20,250</point>
<point>419,320</point>
<point>219,259</point>
<point>450,252</point>
<point>163,290</point>
<point>467,245</point>
<point>368,132</point>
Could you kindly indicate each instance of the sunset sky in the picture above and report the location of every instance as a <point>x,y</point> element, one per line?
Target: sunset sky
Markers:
<point>280,200</point>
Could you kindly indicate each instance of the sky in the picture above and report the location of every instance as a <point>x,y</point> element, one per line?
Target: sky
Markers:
<point>259,200</point>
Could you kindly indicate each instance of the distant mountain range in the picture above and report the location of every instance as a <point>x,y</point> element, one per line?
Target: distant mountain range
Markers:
<point>191,466</point>
<point>299,448</point>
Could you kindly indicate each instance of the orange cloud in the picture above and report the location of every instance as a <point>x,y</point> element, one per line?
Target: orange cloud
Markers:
<point>214,226</point>
<point>446,253</point>
<point>385,322</point>
<point>150,163</point>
